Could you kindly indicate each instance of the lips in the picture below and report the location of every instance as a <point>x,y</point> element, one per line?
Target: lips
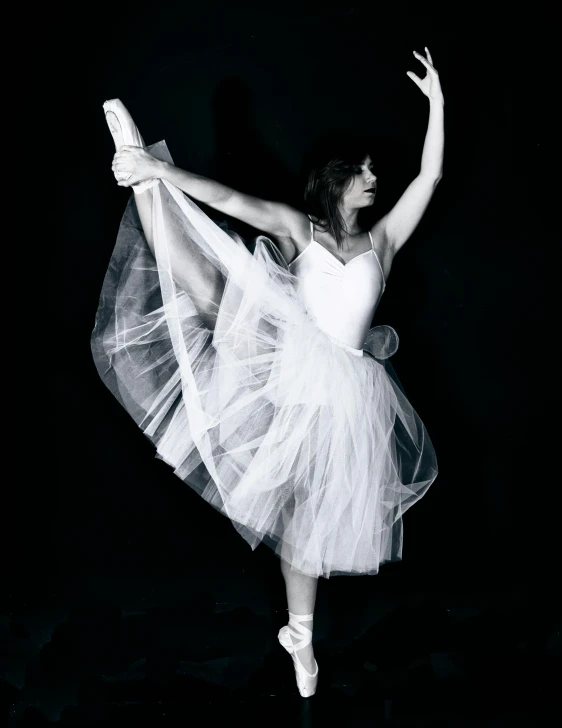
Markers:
<point>371,190</point>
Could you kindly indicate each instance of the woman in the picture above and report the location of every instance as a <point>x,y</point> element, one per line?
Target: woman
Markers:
<point>255,375</point>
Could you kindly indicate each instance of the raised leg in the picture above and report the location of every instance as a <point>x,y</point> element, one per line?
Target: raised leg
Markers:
<point>191,269</point>
<point>124,131</point>
<point>144,208</point>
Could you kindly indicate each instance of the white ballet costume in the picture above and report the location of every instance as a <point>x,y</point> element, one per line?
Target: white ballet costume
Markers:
<point>262,385</point>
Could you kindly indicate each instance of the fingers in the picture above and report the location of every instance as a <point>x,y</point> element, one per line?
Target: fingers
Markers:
<point>428,54</point>
<point>422,59</point>
<point>125,149</point>
<point>416,79</point>
<point>425,62</point>
<point>121,154</point>
<point>122,162</point>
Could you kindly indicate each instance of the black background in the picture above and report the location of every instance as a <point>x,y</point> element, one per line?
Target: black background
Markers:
<point>240,91</point>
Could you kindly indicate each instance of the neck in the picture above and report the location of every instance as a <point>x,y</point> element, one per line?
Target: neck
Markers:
<point>349,216</point>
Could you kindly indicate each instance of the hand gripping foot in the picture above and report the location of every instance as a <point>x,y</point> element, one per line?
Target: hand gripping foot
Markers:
<point>124,131</point>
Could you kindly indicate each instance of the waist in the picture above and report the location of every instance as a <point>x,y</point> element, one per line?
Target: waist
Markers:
<point>347,347</point>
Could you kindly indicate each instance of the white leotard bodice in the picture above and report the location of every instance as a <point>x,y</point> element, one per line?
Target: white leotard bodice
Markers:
<point>341,297</point>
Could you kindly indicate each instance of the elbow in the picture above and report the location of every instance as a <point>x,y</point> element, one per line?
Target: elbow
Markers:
<point>432,176</point>
<point>435,178</point>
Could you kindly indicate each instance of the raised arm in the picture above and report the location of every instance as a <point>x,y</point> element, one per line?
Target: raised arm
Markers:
<point>398,225</point>
<point>275,218</point>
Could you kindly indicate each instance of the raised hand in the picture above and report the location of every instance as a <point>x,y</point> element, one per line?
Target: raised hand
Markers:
<point>133,165</point>
<point>429,85</point>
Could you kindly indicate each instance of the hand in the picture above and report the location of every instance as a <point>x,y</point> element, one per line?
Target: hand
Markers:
<point>136,162</point>
<point>429,85</point>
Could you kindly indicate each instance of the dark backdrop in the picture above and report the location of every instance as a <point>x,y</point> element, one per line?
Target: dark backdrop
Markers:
<point>240,91</point>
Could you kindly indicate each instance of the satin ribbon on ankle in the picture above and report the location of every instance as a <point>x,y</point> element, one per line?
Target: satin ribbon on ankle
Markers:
<point>298,631</point>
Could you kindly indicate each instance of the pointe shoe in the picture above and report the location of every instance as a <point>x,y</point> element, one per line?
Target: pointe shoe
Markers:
<point>124,131</point>
<point>306,682</point>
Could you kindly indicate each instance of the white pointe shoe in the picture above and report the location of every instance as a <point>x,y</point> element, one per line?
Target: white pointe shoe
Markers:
<point>124,131</point>
<point>306,682</point>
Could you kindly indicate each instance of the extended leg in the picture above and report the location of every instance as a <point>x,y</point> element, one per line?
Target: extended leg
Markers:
<point>144,208</point>
<point>124,131</point>
<point>190,268</point>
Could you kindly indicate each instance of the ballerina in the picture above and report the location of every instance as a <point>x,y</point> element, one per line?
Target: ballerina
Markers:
<point>255,375</point>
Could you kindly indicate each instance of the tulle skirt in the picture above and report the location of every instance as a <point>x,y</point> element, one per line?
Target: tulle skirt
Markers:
<point>302,443</point>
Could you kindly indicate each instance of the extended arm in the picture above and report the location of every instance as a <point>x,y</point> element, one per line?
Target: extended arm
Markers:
<point>398,225</point>
<point>275,218</point>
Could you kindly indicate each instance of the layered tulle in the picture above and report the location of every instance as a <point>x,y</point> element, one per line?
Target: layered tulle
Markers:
<point>300,442</point>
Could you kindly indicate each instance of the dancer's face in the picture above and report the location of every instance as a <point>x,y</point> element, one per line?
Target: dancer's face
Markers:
<point>362,187</point>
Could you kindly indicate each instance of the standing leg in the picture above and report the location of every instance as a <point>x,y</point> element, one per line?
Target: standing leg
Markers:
<point>301,600</point>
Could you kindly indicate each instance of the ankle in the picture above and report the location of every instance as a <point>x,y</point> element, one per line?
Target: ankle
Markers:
<point>300,628</point>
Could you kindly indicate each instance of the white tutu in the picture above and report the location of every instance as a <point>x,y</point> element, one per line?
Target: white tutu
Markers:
<point>302,444</point>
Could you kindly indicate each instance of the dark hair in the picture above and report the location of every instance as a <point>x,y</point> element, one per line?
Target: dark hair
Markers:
<point>329,174</point>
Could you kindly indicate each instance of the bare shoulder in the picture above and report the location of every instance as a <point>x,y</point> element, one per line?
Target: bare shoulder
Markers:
<point>382,246</point>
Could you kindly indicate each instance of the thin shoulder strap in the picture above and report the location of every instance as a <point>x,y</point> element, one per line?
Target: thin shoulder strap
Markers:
<point>377,257</point>
<point>311,230</point>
